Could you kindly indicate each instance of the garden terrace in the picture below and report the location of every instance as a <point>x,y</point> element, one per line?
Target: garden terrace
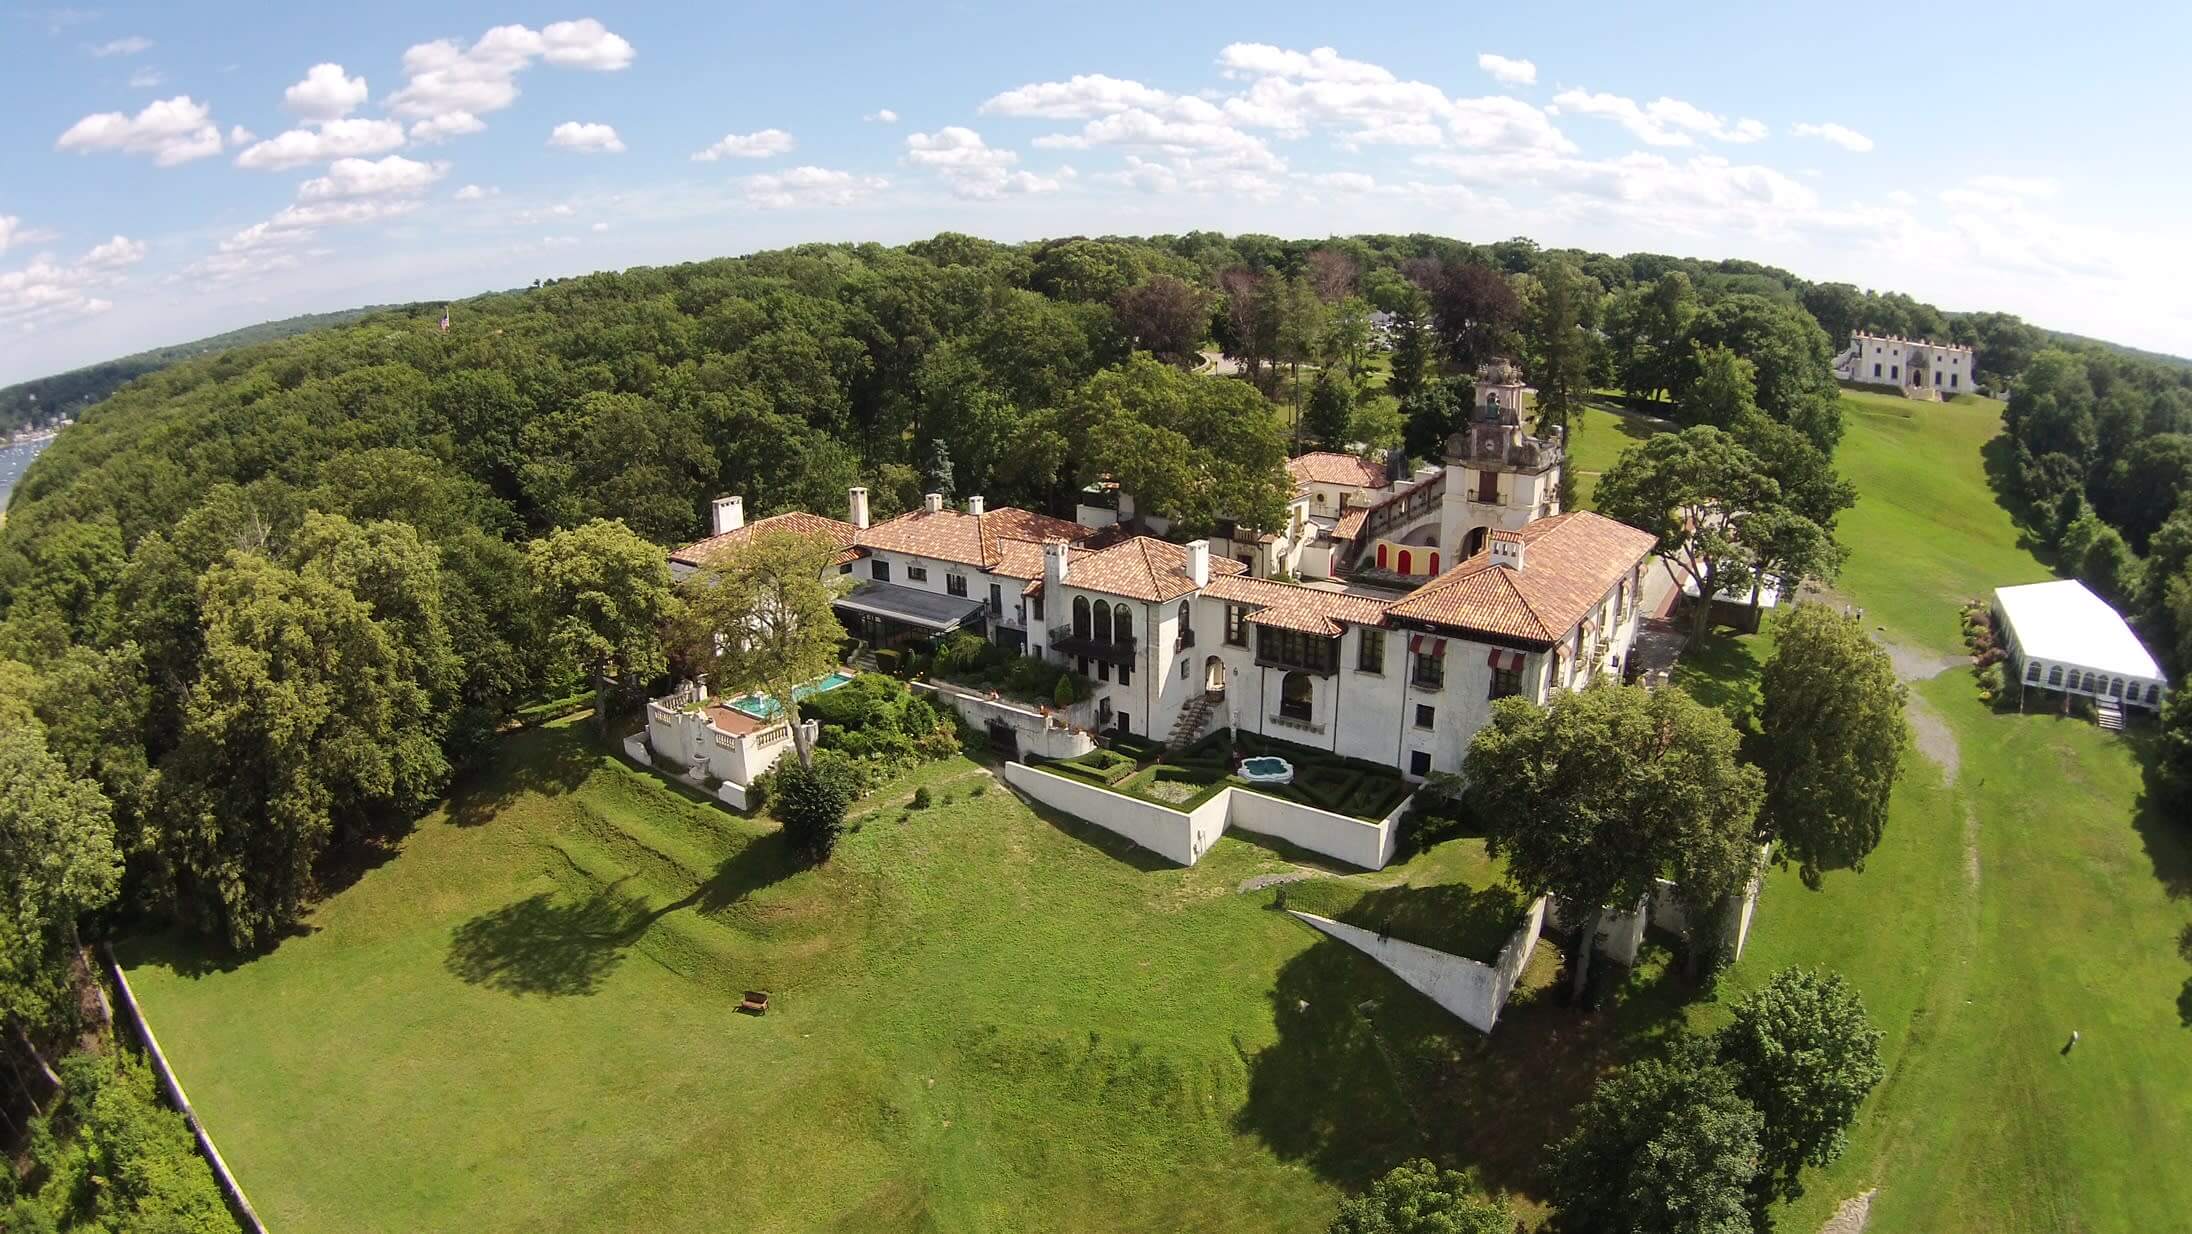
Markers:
<point>1192,775</point>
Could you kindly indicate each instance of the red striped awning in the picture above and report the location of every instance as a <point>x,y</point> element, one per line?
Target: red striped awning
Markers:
<point>1508,660</point>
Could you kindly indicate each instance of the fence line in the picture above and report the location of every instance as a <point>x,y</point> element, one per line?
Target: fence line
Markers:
<point>239,1205</point>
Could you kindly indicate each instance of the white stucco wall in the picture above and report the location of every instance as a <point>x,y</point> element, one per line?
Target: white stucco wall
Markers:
<point>1473,991</point>
<point>1039,735</point>
<point>1185,837</point>
<point>1168,833</point>
<point>1369,845</point>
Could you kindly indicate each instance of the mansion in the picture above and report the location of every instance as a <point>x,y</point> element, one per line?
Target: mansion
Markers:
<point>1380,621</point>
<point>1918,368</point>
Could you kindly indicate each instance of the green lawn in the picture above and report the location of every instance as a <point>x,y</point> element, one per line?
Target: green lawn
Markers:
<point>2037,892</point>
<point>1598,438</point>
<point>985,1019</point>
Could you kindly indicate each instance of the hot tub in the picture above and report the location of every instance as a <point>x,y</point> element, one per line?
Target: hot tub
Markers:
<point>1267,770</point>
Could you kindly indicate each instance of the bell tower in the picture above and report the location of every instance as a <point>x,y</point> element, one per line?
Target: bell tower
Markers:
<point>1498,476</point>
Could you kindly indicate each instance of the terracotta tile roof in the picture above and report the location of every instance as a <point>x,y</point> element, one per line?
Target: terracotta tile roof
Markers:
<point>1349,526</point>
<point>1143,568</point>
<point>699,552</point>
<point>1570,562</point>
<point>1288,606</point>
<point>967,539</point>
<point>1332,467</point>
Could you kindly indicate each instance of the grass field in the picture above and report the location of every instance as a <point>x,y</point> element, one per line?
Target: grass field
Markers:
<point>2027,889</point>
<point>984,1020</point>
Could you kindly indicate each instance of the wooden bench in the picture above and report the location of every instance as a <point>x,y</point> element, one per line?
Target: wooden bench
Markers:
<point>756,1003</point>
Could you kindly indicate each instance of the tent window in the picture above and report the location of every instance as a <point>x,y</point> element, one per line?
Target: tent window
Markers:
<point>2055,675</point>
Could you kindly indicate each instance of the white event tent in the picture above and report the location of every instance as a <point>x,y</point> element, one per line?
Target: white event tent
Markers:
<point>2063,637</point>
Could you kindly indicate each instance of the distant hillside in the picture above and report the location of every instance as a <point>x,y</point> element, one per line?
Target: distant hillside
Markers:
<point>2136,353</point>
<point>45,399</point>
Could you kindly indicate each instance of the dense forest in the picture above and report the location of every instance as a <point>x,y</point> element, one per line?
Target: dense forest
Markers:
<point>259,606</point>
<point>43,400</point>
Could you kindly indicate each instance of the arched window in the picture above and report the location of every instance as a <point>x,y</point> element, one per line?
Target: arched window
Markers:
<point>1187,619</point>
<point>2055,675</point>
<point>2115,687</point>
<point>2153,695</point>
<point>2032,670</point>
<point>1297,697</point>
<point>1122,624</point>
<point>1381,556</point>
<point>1406,562</point>
<point>1080,617</point>
<point>1103,622</point>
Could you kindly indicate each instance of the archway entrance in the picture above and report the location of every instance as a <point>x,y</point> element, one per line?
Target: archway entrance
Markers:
<point>1473,543</point>
<point>1213,675</point>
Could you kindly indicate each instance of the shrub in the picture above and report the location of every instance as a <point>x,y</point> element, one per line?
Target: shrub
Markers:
<point>921,798</point>
<point>1420,1198</point>
<point>979,790</point>
<point>852,776</point>
<point>889,661</point>
<point>1063,694</point>
<point>962,652</point>
<point>812,806</point>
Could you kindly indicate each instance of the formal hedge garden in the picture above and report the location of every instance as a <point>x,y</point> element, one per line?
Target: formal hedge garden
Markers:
<point>1194,774</point>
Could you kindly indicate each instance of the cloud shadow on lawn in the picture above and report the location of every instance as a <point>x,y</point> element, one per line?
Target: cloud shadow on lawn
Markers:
<point>1371,1073</point>
<point>555,946</point>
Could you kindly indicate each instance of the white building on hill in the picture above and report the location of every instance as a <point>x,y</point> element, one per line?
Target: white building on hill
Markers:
<point>1918,368</point>
<point>2064,638</point>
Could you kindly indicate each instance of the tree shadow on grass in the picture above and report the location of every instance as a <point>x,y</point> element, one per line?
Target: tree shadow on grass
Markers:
<point>2184,996</point>
<point>1999,457</point>
<point>1371,1073</point>
<point>1722,670</point>
<point>1452,917</point>
<point>545,761</point>
<point>555,946</point>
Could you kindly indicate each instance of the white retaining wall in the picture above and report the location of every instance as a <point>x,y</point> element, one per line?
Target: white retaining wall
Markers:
<point>1621,935</point>
<point>1474,991</point>
<point>1185,837</point>
<point>1040,735</point>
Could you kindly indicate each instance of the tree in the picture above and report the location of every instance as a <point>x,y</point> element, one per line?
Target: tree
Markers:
<point>1165,316</point>
<point>1663,1146</point>
<point>1559,325</point>
<point>1300,335</point>
<point>1793,360</point>
<point>936,470</point>
<point>1411,345</point>
<point>1432,414</point>
<point>1346,341</point>
<point>1417,1197</point>
<point>812,807</point>
<point>1837,307</point>
<point>1648,327</point>
<point>759,617</point>
<point>1725,393</point>
<point>1475,311</point>
<point>606,596</point>
<point>1594,795</point>
<point>1331,412</point>
<point>1332,275</point>
<point>57,862</point>
<point>1803,1052</point>
<point>1184,446</point>
<point>1694,490</point>
<point>1833,738</point>
<point>1251,319</point>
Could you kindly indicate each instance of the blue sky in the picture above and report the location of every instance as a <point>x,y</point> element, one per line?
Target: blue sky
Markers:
<point>169,171</point>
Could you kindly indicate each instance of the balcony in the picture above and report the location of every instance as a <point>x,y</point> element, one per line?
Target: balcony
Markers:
<point>1117,651</point>
<point>1290,722</point>
<point>1185,640</point>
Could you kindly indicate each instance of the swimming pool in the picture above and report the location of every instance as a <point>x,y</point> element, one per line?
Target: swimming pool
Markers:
<point>762,707</point>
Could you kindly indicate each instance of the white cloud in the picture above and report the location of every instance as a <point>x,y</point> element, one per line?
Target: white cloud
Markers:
<point>47,290</point>
<point>341,213</point>
<point>441,77</point>
<point>1139,129</point>
<point>1847,138</point>
<point>1507,72</point>
<point>394,175</point>
<point>764,144</point>
<point>586,138</point>
<point>130,46</point>
<point>1083,97</point>
<point>1345,181</point>
<point>115,253</point>
<point>241,136</point>
<point>172,131</point>
<point>325,94</point>
<point>147,79</point>
<point>974,168</point>
<point>1368,105</point>
<point>351,138</point>
<point>445,126</point>
<point>882,115</point>
<point>2017,186</point>
<point>1703,195</point>
<point>1661,122</point>
<point>601,227</point>
<point>10,228</point>
<point>1322,64</point>
<point>811,186</point>
<point>474,192</point>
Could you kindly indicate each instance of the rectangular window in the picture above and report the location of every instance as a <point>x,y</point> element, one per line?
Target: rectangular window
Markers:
<point>845,569</point>
<point>996,600</point>
<point>1952,380</point>
<point>1183,670</point>
<point>1506,682</point>
<point>956,584</point>
<point>1103,670</point>
<point>1038,602</point>
<point>1426,716</point>
<point>1895,371</point>
<point>1876,370</point>
<point>1419,762</point>
<point>879,570</point>
<point>1937,377</point>
<point>1236,625</point>
<point>1370,655</point>
<point>1487,486</point>
<point>917,574</point>
<point>1430,671</point>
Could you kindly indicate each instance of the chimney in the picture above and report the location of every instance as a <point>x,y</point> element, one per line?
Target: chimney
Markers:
<point>1054,566</point>
<point>857,501</point>
<point>1198,562</point>
<point>974,506</point>
<point>1506,549</point>
<point>728,516</point>
<point>933,502</point>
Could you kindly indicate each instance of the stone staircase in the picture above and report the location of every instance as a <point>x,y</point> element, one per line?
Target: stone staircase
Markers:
<point>863,658</point>
<point>1194,718</point>
<point>2108,713</point>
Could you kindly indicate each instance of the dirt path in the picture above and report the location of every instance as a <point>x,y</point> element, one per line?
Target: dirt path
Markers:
<point>1850,1218</point>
